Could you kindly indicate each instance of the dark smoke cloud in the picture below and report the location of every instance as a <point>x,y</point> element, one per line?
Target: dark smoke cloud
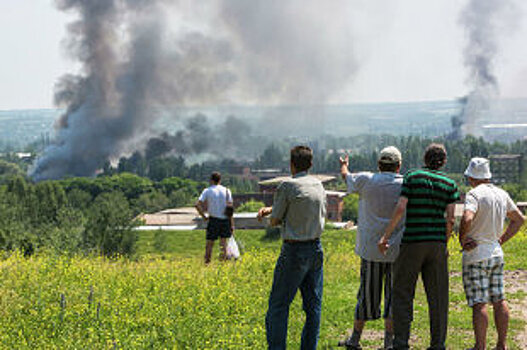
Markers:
<point>484,23</point>
<point>136,66</point>
<point>232,138</point>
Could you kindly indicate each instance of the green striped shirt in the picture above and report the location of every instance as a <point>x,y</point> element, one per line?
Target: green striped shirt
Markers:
<point>428,192</point>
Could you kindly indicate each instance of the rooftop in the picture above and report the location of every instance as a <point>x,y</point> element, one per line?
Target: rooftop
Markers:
<point>505,156</point>
<point>278,180</point>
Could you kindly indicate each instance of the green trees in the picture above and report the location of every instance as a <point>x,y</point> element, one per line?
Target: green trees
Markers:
<point>351,208</point>
<point>45,216</point>
<point>109,227</point>
<point>250,206</point>
<point>84,214</point>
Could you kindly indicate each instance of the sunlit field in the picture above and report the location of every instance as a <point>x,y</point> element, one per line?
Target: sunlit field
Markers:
<point>166,298</point>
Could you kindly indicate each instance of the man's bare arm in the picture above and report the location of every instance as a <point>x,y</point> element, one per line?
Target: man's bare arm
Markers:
<point>266,211</point>
<point>450,219</point>
<point>397,215</point>
<point>466,242</point>
<point>516,221</point>
<point>201,210</point>
<point>344,164</point>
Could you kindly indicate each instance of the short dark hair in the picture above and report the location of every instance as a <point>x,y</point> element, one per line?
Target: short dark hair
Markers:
<point>215,177</point>
<point>391,167</point>
<point>302,158</point>
<point>435,156</point>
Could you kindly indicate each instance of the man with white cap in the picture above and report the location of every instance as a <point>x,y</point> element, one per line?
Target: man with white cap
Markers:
<point>481,235</point>
<point>378,195</point>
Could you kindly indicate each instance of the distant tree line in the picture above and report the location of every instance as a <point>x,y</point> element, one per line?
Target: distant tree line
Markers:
<point>90,215</point>
<point>159,164</point>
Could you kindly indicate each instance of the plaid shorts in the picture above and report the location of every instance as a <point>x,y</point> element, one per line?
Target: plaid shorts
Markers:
<point>374,277</point>
<point>483,281</point>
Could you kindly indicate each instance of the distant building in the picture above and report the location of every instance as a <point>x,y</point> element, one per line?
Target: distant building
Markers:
<point>505,132</point>
<point>522,206</point>
<point>335,205</point>
<point>270,185</point>
<point>335,199</point>
<point>188,219</point>
<point>506,168</point>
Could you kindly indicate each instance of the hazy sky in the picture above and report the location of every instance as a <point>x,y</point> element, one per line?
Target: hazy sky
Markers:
<point>408,50</point>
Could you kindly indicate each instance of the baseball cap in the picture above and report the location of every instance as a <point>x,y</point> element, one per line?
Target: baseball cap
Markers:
<point>390,154</point>
<point>478,168</point>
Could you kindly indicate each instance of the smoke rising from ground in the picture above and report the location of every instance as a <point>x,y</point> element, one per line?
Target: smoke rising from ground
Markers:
<point>136,63</point>
<point>484,22</point>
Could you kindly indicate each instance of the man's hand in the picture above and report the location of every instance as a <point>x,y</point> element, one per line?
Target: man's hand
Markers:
<point>468,244</point>
<point>263,212</point>
<point>344,160</point>
<point>383,245</point>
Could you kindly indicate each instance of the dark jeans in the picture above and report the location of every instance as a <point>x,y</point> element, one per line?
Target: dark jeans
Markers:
<point>429,259</point>
<point>298,267</point>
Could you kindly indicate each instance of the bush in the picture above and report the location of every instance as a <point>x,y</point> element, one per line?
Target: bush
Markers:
<point>151,202</point>
<point>250,207</point>
<point>181,198</point>
<point>517,192</point>
<point>351,208</point>
<point>272,233</point>
<point>79,199</point>
<point>109,230</point>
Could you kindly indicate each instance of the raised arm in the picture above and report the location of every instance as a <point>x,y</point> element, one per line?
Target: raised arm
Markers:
<point>344,164</point>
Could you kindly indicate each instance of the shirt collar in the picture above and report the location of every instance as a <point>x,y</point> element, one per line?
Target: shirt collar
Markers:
<point>300,174</point>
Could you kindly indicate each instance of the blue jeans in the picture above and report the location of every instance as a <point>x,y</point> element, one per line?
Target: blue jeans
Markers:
<point>298,267</point>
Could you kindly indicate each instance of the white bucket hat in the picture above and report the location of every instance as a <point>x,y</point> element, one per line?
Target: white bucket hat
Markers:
<point>478,168</point>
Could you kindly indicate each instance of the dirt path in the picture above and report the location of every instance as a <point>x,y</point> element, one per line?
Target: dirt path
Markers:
<point>516,281</point>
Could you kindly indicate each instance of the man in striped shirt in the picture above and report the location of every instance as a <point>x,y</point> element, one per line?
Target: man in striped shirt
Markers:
<point>428,196</point>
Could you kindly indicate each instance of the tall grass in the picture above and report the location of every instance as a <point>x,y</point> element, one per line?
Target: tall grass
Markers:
<point>167,298</point>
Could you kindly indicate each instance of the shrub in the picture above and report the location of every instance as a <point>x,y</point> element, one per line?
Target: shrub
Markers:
<point>351,207</point>
<point>151,202</point>
<point>272,233</point>
<point>109,229</point>
<point>250,206</point>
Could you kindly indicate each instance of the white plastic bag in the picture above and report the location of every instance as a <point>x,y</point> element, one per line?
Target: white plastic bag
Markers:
<point>232,249</point>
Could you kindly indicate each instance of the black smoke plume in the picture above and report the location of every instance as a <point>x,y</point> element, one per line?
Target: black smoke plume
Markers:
<point>484,23</point>
<point>141,58</point>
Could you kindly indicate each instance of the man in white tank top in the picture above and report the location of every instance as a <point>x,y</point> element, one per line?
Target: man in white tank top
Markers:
<point>214,200</point>
<point>481,235</point>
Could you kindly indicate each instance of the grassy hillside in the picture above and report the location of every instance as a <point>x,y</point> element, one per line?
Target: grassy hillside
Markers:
<point>167,298</point>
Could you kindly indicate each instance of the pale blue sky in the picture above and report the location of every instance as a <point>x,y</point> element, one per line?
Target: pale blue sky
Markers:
<point>409,50</point>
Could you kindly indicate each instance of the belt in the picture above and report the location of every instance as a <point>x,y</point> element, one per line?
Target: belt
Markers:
<point>295,241</point>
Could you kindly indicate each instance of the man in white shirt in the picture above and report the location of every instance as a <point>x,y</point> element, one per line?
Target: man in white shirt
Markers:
<point>480,235</point>
<point>214,200</point>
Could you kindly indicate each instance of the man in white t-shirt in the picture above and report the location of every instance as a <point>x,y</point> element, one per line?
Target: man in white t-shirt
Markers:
<point>481,236</point>
<point>214,200</point>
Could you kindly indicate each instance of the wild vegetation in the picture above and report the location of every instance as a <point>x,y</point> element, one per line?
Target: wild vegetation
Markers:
<point>167,298</point>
